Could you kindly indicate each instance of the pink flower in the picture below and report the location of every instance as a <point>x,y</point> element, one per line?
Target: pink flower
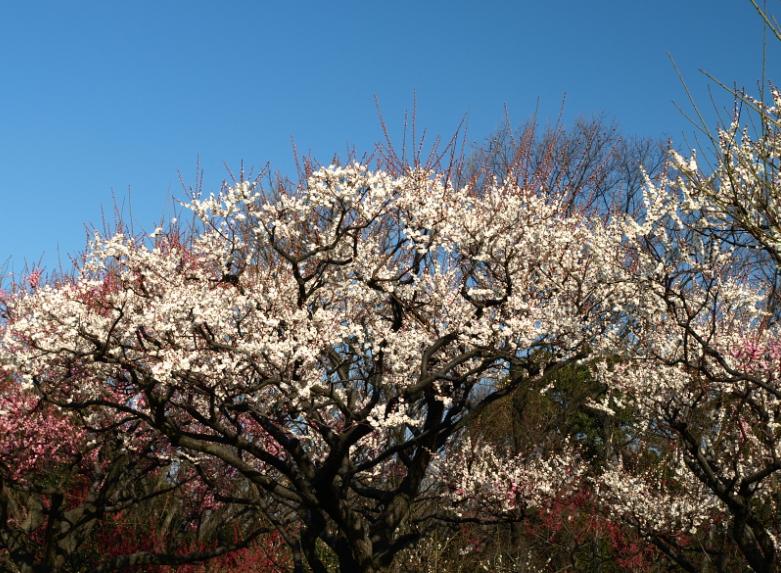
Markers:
<point>34,279</point>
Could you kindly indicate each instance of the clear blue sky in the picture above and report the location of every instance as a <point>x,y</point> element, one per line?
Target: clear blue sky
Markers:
<point>104,96</point>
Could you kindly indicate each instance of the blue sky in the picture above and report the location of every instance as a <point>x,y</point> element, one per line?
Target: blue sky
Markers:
<point>101,97</point>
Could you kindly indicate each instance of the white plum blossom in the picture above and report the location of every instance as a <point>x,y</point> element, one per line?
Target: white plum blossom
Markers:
<point>330,341</point>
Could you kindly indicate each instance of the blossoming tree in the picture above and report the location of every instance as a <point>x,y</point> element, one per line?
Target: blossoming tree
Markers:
<point>329,342</point>
<point>701,371</point>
